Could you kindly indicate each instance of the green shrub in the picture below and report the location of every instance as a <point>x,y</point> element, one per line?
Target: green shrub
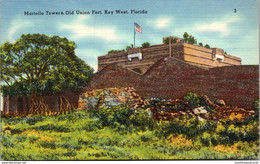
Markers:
<point>8,141</point>
<point>148,136</point>
<point>33,120</point>
<point>111,51</point>
<point>256,108</point>
<point>145,44</point>
<point>207,46</point>
<point>171,39</point>
<point>142,118</point>
<point>111,115</point>
<point>21,138</point>
<point>92,125</point>
<point>13,120</point>
<point>33,138</point>
<point>68,146</point>
<point>51,127</point>
<point>192,99</point>
<point>47,144</point>
<point>70,154</point>
<point>190,127</point>
<point>73,116</point>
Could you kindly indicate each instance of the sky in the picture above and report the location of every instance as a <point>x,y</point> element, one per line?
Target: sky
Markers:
<point>228,24</point>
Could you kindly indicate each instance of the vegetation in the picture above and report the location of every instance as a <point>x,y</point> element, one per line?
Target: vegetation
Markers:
<point>145,44</point>
<point>189,38</point>
<point>207,46</point>
<point>112,51</point>
<point>129,47</point>
<point>168,39</point>
<point>120,133</point>
<point>37,63</point>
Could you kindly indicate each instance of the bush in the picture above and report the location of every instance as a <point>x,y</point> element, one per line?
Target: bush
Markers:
<point>145,44</point>
<point>111,51</point>
<point>51,127</point>
<point>13,120</point>
<point>207,46</point>
<point>193,100</point>
<point>92,125</point>
<point>111,115</point>
<point>8,141</point>
<point>167,40</point>
<point>21,138</point>
<point>256,108</point>
<point>47,144</point>
<point>33,120</point>
<point>73,117</point>
<point>190,127</point>
<point>142,118</point>
<point>68,146</point>
<point>33,138</point>
<point>70,154</point>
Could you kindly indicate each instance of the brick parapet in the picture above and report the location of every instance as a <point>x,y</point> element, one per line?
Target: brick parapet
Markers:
<point>196,55</point>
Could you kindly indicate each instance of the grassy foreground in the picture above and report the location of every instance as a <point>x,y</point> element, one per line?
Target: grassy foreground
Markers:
<point>118,133</point>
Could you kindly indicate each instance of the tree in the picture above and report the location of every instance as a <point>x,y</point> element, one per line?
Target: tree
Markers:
<point>200,44</point>
<point>166,40</point>
<point>207,46</point>
<point>37,63</point>
<point>129,47</point>
<point>185,37</point>
<point>145,44</point>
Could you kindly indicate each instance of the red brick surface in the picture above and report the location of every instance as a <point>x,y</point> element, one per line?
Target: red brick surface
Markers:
<point>21,104</point>
<point>171,78</point>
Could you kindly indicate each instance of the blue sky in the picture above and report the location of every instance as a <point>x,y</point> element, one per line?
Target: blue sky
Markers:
<point>211,22</point>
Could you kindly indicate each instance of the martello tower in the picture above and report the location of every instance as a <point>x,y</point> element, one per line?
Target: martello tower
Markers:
<point>141,59</point>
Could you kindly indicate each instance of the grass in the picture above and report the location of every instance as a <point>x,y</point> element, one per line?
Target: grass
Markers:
<point>91,135</point>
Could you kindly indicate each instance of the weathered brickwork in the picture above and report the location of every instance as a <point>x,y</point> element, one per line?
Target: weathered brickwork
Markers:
<point>172,78</point>
<point>21,104</point>
<point>194,54</point>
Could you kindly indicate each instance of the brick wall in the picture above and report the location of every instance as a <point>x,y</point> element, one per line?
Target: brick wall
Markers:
<point>205,57</point>
<point>193,54</point>
<point>21,104</point>
<point>112,76</point>
<point>172,78</point>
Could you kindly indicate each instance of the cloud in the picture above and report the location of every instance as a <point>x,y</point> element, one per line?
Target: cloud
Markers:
<point>89,56</point>
<point>16,26</point>
<point>80,30</point>
<point>217,26</point>
<point>162,22</point>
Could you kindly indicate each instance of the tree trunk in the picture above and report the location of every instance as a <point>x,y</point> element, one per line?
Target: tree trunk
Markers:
<point>38,106</point>
<point>64,105</point>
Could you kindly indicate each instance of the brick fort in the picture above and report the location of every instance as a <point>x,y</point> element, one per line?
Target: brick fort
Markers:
<point>167,71</point>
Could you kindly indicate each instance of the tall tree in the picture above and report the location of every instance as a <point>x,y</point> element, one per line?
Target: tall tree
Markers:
<point>189,38</point>
<point>169,39</point>
<point>185,37</point>
<point>37,63</point>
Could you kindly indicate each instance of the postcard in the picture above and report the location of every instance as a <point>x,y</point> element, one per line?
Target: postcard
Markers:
<point>129,80</point>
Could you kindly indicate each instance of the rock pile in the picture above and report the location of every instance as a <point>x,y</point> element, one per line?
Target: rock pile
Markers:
<point>111,97</point>
<point>160,108</point>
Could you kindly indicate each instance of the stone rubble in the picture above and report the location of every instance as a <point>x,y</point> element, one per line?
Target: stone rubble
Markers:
<point>160,108</point>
